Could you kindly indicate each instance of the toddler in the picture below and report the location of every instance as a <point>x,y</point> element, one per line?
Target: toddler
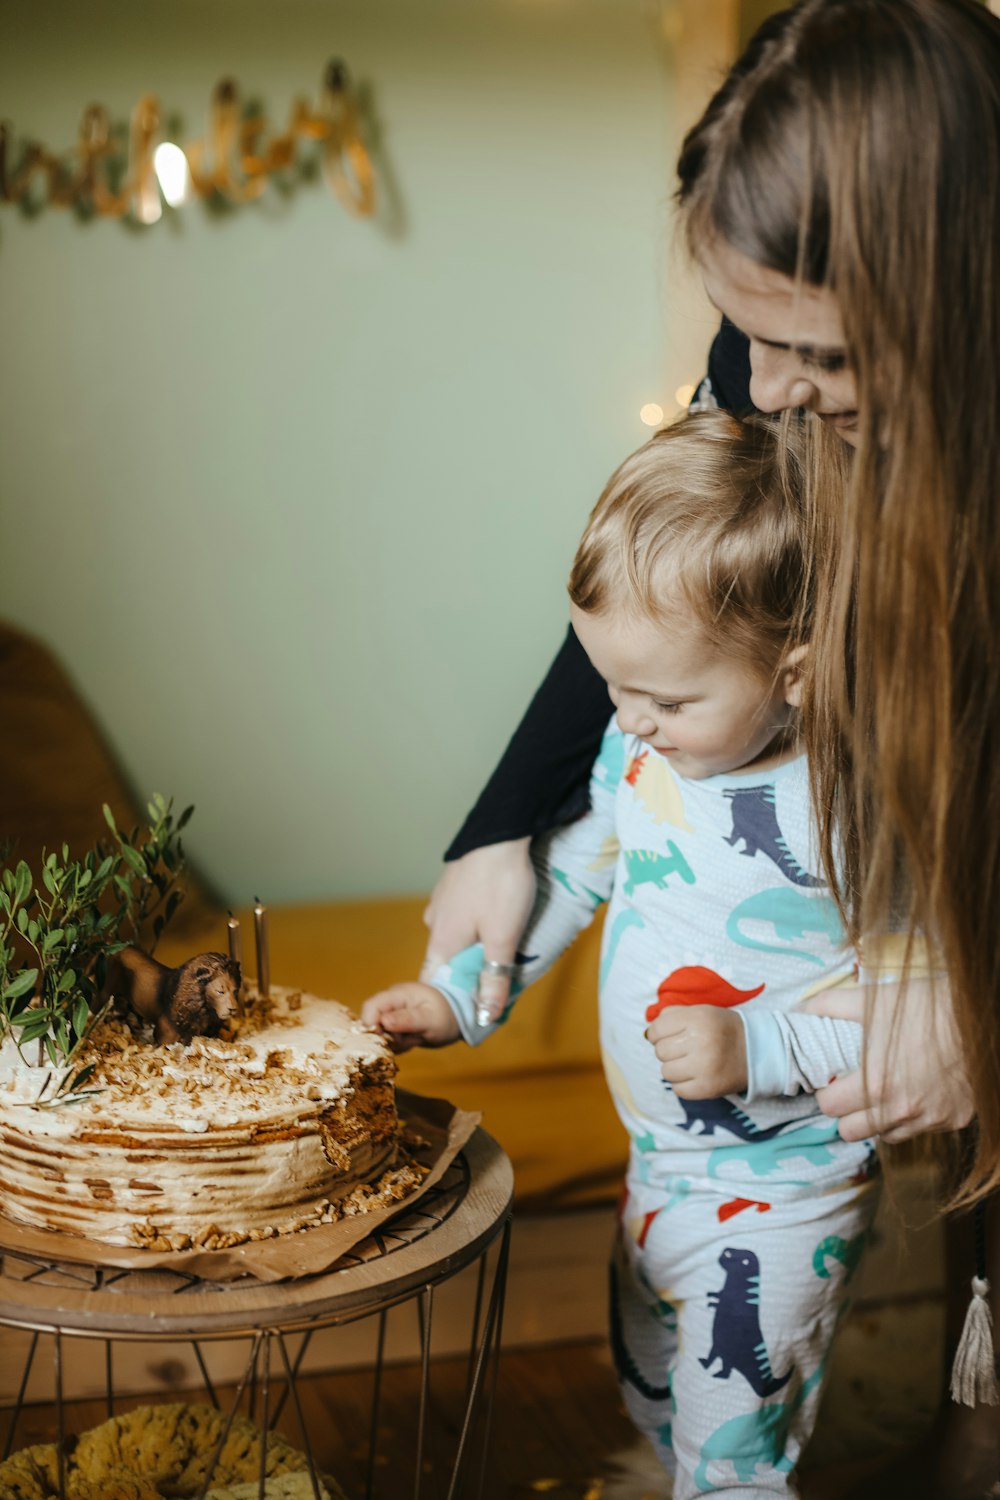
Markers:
<point>744,1213</point>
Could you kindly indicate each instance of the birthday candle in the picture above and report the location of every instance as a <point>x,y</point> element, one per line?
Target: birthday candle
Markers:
<point>263,959</point>
<point>236,953</point>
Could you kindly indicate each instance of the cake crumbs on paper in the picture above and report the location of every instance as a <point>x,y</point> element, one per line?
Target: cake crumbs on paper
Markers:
<point>395,1184</point>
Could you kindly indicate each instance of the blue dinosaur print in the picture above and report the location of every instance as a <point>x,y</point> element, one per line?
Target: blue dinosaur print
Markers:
<point>792,915</point>
<point>737,1341</point>
<point>755,821</point>
<point>575,890</point>
<point>835,1247</point>
<point>809,1142</point>
<point>725,1114</point>
<point>625,919</point>
<point>646,866</point>
<point>755,1439</point>
<point>625,1366</point>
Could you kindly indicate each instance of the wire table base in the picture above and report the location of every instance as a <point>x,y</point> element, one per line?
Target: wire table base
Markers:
<point>463,1221</point>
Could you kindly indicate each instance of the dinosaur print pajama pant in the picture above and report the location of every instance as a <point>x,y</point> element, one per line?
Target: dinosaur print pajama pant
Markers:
<point>723,1313</point>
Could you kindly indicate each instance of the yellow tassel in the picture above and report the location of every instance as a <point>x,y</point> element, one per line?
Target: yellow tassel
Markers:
<point>974,1374</point>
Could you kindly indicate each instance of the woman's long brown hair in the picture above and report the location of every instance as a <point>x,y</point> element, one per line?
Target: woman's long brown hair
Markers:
<point>856,146</point>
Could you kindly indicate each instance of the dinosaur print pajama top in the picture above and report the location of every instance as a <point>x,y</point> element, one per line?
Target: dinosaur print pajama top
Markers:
<point>743,1217</point>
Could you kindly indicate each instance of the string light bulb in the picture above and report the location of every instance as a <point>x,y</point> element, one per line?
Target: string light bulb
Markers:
<point>651,414</point>
<point>172,173</point>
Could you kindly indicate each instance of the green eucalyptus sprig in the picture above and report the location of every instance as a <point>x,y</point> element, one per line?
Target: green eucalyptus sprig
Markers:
<point>80,911</point>
<point>69,1091</point>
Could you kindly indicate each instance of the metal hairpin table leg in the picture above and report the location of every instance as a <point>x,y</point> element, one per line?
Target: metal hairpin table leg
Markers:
<point>489,1340</point>
<point>210,1388</point>
<point>296,1364</point>
<point>425,1309</point>
<point>15,1415</point>
<point>500,1293</point>
<point>376,1397</point>
<point>250,1370</point>
<point>265,1394</point>
<point>303,1430</point>
<point>60,1425</point>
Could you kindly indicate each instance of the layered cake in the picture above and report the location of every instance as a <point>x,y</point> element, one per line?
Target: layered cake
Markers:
<point>285,1119</point>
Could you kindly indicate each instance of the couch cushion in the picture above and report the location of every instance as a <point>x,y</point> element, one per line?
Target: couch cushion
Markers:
<point>56,770</point>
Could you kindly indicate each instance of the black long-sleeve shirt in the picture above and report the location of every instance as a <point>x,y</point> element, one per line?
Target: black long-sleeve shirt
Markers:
<point>542,777</point>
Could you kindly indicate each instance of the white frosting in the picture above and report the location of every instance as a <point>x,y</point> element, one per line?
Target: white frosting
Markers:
<point>256,1134</point>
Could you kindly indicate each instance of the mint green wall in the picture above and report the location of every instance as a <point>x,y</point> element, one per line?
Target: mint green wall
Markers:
<point>294,495</point>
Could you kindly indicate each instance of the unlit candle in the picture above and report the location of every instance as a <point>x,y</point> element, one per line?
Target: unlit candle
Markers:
<point>263,960</point>
<point>236,953</point>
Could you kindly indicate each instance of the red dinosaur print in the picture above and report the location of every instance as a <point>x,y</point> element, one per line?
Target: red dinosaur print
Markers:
<point>697,986</point>
<point>634,767</point>
<point>647,1221</point>
<point>737,1205</point>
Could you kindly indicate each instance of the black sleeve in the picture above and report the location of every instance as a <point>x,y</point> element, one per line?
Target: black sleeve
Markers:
<point>542,777</point>
<point>729,369</point>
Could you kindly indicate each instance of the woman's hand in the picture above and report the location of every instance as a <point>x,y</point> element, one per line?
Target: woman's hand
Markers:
<point>484,897</point>
<point>913,1063</point>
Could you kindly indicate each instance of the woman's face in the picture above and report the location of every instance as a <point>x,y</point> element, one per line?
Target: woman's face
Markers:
<point>798,355</point>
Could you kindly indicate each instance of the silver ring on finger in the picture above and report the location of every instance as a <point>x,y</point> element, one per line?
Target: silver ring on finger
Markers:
<point>496,970</point>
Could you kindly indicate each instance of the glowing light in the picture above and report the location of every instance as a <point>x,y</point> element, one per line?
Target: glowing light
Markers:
<point>172,173</point>
<point>148,208</point>
<point>651,414</point>
<point>683,394</point>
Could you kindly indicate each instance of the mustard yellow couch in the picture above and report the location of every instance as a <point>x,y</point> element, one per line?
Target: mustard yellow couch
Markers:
<point>538,1082</point>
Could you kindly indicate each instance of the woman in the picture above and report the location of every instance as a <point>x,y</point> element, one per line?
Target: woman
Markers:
<point>842,196</point>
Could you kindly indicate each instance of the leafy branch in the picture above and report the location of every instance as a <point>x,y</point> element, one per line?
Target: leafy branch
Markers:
<point>57,932</point>
<point>68,1091</point>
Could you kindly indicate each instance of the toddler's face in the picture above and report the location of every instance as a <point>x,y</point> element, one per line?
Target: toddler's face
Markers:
<point>705,714</point>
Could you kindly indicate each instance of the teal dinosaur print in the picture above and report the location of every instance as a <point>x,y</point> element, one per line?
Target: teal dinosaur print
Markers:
<point>810,1143</point>
<point>623,921</point>
<point>609,767</point>
<point>663,1311</point>
<point>677,1187</point>
<point>647,867</point>
<point>576,889</point>
<point>792,914</point>
<point>465,968</point>
<point>755,1439</point>
<point>665,1431</point>
<point>835,1247</point>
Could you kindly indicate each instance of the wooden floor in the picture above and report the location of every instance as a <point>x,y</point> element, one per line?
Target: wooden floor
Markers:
<point>559,1430</point>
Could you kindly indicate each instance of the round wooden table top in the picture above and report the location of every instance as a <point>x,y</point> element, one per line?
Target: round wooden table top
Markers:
<point>450,1227</point>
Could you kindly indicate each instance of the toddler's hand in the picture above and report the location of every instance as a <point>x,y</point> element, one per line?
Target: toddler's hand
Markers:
<point>701,1049</point>
<point>411,1015</point>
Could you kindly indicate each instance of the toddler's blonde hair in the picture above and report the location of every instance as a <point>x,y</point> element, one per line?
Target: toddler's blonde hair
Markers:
<point>704,521</point>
